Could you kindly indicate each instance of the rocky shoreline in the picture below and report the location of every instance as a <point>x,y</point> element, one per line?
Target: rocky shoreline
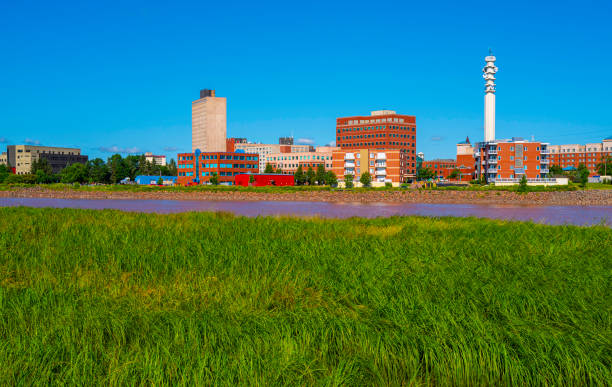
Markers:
<point>560,198</point>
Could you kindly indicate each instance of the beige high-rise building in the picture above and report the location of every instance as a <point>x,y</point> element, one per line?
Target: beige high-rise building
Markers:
<point>209,122</point>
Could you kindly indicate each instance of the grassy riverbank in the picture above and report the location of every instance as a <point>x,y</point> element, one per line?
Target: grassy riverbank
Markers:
<point>105,297</point>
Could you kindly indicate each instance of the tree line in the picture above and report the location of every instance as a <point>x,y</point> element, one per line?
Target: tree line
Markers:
<point>115,169</point>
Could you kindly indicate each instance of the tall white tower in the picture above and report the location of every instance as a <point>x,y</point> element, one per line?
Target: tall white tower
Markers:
<point>489,75</point>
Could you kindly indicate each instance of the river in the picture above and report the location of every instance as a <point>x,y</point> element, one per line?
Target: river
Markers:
<point>576,215</point>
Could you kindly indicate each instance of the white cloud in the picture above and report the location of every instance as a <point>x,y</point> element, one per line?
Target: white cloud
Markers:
<point>116,149</point>
<point>30,141</point>
<point>437,138</point>
<point>304,141</point>
<point>170,149</point>
<point>4,140</point>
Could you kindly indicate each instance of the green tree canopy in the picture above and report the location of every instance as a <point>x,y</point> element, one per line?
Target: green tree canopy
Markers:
<point>310,176</point>
<point>425,174</point>
<point>348,181</point>
<point>331,179</point>
<point>366,179</point>
<point>320,175</point>
<point>75,173</point>
<point>605,167</point>
<point>269,168</point>
<point>300,177</point>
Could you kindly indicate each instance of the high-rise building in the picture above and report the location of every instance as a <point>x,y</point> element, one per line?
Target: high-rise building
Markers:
<point>489,75</point>
<point>209,122</point>
<point>382,130</point>
<point>21,157</point>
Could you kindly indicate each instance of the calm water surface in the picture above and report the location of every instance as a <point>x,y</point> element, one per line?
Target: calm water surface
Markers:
<point>578,215</point>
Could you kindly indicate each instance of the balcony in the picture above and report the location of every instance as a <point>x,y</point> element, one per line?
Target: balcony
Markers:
<point>349,164</point>
<point>380,172</point>
<point>544,161</point>
<point>492,151</point>
<point>381,156</point>
<point>349,156</point>
<point>544,170</point>
<point>492,161</point>
<point>381,165</point>
<point>492,170</point>
<point>545,152</point>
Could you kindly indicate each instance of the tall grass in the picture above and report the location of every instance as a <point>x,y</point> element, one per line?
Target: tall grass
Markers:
<point>105,297</point>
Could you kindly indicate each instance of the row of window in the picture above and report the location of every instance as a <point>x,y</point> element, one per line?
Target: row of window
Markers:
<point>377,143</point>
<point>221,157</point>
<point>285,158</point>
<point>382,127</point>
<point>376,135</point>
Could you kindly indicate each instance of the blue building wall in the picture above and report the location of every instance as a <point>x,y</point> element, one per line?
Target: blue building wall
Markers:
<point>147,180</point>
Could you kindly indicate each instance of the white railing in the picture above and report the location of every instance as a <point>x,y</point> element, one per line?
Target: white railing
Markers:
<point>543,170</point>
<point>492,170</point>
<point>381,165</point>
<point>545,161</point>
<point>545,151</point>
<point>381,156</point>
<point>492,151</point>
<point>349,156</point>
<point>492,161</point>
<point>381,172</point>
<point>349,164</point>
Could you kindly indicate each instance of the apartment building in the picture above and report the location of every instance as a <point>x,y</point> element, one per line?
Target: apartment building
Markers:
<point>442,168</point>
<point>198,167</point>
<point>290,161</point>
<point>21,157</point>
<point>572,155</point>
<point>465,160</point>
<point>231,142</point>
<point>383,165</point>
<point>265,150</point>
<point>155,159</point>
<point>209,122</point>
<point>511,159</point>
<point>381,130</point>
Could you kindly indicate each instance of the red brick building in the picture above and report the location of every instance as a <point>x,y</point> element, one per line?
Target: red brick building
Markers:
<point>572,155</point>
<point>383,165</point>
<point>511,159</point>
<point>442,168</point>
<point>465,160</point>
<point>199,167</point>
<point>382,130</point>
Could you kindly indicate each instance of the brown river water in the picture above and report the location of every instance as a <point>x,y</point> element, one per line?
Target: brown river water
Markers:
<point>575,215</point>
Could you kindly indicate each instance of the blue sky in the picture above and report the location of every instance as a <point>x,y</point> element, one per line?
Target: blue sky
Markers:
<point>110,76</point>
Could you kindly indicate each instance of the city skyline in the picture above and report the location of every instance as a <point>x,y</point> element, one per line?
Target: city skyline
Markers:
<point>102,92</point>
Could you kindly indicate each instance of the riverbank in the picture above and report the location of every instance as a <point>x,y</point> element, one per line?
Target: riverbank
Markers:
<point>115,298</point>
<point>553,198</point>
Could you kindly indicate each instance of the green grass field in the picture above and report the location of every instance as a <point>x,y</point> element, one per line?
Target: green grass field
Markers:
<point>112,298</point>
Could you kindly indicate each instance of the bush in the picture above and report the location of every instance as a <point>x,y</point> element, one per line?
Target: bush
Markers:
<point>388,185</point>
<point>366,179</point>
<point>523,187</point>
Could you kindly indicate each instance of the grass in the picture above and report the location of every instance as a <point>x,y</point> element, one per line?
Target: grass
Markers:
<point>106,297</point>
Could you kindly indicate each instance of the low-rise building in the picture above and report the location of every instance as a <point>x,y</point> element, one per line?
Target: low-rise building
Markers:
<point>442,168</point>
<point>289,162</point>
<point>511,159</point>
<point>465,160</point>
<point>198,167</point>
<point>264,179</point>
<point>572,155</point>
<point>264,150</point>
<point>155,159</point>
<point>154,180</point>
<point>21,157</point>
<point>383,165</point>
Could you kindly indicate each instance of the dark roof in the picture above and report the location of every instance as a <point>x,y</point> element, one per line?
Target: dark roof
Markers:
<point>467,141</point>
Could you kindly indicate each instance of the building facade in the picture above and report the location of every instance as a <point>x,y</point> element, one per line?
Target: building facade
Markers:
<point>382,130</point>
<point>442,168</point>
<point>21,157</point>
<point>209,122</point>
<point>572,155</point>
<point>3,158</point>
<point>264,150</point>
<point>230,143</point>
<point>198,167</point>
<point>290,161</point>
<point>155,159</point>
<point>465,160</point>
<point>511,159</point>
<point>383,165</point>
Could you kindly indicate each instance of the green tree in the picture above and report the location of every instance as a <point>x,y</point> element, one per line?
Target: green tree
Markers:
<point>118,168</point>
<point>331,179</point>
<point>75,173</point>
<point>251,179</point>
<point>425,174</point>
<point>160,181</point>
<point>43,178</point>
<point>269,168</point>
<point>172,169</point>
<point>582,174</point>
<point>214,179</point>
<point>523,187</point>
<point>5,171</point>
<point>348,181</point>
<point>278,171</point>
<point>310,176</point>
<point>555,170</point>
<point>98,171</point>
<point>605,167</point>
<point>42,165</point>
<point>365,179</point>
<point>300,177</point>
<point>454,174</point>
<point>320,175</point>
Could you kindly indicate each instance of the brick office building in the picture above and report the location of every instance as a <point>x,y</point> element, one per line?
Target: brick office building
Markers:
<point>442,168</point>
<point>465,160</point>
<point>382,130</point>
<point>199,167</point>
<point>383,165</point>
<point>290,161</point>
<point>511,159</point>
<point>572,155</point>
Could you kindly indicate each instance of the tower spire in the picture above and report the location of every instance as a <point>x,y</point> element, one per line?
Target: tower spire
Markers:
<point>489,71</point>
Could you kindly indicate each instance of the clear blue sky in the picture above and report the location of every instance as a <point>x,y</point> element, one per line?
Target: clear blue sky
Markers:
<point>104,76</point>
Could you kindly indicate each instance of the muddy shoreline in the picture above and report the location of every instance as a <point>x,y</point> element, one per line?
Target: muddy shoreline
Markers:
<point>562,198</point>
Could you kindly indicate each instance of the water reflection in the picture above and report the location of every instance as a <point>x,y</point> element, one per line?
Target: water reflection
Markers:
<point>578,215</point>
